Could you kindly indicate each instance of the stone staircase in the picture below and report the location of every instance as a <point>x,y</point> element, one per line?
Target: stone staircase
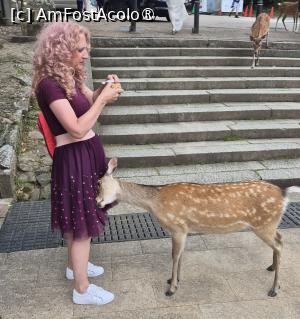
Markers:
<point>60,4</point>
<point>194,110</point>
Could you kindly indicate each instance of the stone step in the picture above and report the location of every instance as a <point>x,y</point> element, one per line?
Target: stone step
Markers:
<point>176,132</point>
<point>159,97</point>
<point>60,4</point>
<point>204,83</point>
<point>168,154</point>
<point>148,42</point>
<point>192,61</point>
<point>199,112</point>
<point>171,52</point>
<point>282,172</point>
<point>195,71</point>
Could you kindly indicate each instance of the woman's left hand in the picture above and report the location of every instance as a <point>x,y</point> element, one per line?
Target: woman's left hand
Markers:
<point>112,77</point>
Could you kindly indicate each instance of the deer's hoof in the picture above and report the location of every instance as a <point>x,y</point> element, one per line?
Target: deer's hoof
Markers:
<point>169,293</point>
<point>271,268</point>
<point>272,293</point>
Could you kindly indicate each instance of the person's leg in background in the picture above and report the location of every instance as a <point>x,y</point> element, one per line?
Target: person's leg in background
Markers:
<point>232,8</point>
<point>237,9</point>
<point>100,4</point>
<point>79,5</point>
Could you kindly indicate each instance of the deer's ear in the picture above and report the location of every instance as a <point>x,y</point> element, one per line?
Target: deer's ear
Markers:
<point>112,165</point>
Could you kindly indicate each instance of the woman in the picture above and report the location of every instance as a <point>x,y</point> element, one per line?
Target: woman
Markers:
<point>71,109</point>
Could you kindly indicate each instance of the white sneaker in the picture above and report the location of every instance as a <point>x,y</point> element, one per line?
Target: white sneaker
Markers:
<point>94,295</point>
<point>92,271</point>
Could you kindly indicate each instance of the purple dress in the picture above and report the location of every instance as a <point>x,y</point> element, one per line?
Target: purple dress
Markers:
<point>76,169</point>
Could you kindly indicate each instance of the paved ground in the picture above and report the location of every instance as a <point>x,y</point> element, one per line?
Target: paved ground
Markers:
<point>223,276</point>
<point>211,27</point>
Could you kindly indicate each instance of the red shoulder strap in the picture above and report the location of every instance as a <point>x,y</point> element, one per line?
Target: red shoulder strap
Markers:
<point>48,136</point>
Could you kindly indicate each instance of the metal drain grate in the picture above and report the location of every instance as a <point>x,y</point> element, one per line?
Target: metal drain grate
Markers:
<point>132,227</point>
<point>27,226</point>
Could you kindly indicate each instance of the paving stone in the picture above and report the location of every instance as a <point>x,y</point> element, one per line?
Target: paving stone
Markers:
<point>190,61</point>
<point>3,257</point>
<point>254,285</point>
<point>30,312</point>
<point>163,97</point>
<point>287,163</point>
<point>204,289</point>
<point>292,175</point>
<point>130,172</point>
<point>164,245</point>
<point>291,236</point>
<point>184,312</point>
<point>26,274</point>
<point>141,51</point>
<point>197,71</point>
<point>263,309</point>
<point>200,144</point>
<point>218,167</point>
<point>129,248</point>
<point>274,141</point>
<point>233,240</point>
<point>168,132</point>
<point>212,177</point>
<point>141,266</point>
<point>222,261</point>
<point>32,302</point>
<point>22,259</point>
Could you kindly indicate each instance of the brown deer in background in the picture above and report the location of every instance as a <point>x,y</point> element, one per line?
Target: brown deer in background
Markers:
<point>259,31</point>
<point>184,208</point>
<point>288,9</point>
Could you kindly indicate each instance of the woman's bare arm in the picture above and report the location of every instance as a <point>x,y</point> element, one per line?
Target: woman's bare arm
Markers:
<point>78,127</point>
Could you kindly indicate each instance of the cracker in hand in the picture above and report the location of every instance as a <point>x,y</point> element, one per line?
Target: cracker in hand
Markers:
<point>116,85</point>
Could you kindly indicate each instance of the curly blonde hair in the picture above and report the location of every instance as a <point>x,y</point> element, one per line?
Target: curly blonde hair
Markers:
<point>54,50</point>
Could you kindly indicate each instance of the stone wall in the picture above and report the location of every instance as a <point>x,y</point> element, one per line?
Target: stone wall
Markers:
<point>25,165</point>
<point>24,161</point>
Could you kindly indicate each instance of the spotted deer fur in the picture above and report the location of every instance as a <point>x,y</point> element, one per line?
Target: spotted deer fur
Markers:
<point>259,31</point>
<point>184,208</point>
<point>288,9</point>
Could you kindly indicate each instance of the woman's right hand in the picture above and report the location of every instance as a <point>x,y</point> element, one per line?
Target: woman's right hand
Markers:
<point>109,94</point>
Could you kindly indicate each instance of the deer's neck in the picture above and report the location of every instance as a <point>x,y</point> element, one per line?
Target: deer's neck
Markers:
<point>140,195</point>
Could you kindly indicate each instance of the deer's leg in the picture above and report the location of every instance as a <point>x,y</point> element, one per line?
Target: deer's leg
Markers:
<point>178,243</point>
<point>253,60</point>
<point>257,59</point>
<point>277,21</point>
<point>267,40</point>
<point>279,241</point>
<point>272,239</point>
<point>283,19</point>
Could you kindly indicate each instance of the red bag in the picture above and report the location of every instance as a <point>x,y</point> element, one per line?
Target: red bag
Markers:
<point>48,136</point>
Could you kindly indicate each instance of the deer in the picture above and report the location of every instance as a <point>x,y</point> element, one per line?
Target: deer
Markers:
<point>288,9</point>
<point>259,31</point>
<point>184,208</point>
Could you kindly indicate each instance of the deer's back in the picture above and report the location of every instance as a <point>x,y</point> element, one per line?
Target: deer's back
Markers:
<point>219,207</point>
<point>288,8</point>
<point>261,26</point>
